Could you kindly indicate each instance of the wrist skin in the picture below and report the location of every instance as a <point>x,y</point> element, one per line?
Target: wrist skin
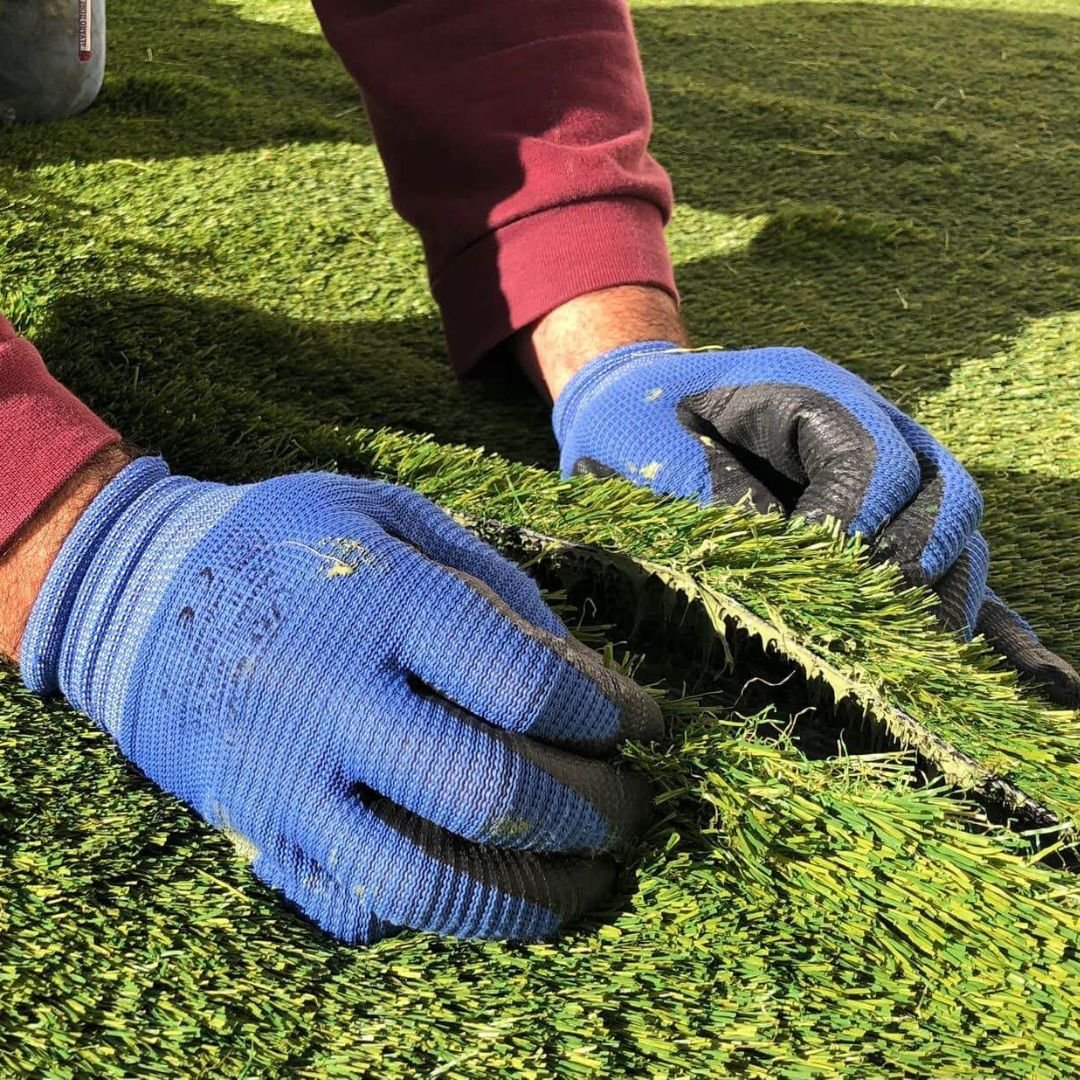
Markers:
<point>26,561</point>
<point>554,347</point>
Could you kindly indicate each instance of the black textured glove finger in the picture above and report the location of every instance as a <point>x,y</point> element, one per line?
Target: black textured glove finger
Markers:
<point>1015,639</point>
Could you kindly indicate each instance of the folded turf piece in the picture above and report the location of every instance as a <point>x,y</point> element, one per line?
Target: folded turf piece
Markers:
<point>784,595</point>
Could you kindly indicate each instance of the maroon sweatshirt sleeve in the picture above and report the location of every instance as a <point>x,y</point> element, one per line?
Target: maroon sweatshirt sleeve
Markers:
<point>514,134</point>
<point>46,433</point>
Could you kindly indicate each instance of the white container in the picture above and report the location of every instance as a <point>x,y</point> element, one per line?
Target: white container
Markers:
<point>52,57</point>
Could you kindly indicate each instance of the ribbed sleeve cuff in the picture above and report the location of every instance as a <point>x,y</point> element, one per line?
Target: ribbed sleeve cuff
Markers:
<point>529,267</point>
<point>46,433</point>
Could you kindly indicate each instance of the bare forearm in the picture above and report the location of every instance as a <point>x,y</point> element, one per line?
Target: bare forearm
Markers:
<point>551,349</point>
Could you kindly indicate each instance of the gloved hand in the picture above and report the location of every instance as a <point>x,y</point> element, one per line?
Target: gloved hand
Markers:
<point>787,430</point>
<point>357,689</point>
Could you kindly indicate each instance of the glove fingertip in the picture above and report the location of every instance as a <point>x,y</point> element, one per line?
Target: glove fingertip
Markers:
<point>1066,692</point>
<point>1010,634</point>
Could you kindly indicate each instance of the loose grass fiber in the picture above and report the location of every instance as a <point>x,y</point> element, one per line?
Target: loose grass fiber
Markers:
<point>210,259</point>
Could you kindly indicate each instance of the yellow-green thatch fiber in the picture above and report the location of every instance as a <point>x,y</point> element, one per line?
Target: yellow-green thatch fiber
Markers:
<point>209,258</point>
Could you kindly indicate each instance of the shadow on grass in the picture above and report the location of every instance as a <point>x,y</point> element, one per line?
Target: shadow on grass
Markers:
<point>917,202</point>
<point>232,392</point>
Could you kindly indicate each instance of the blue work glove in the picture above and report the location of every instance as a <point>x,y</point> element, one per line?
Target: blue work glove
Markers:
<point>366,697</point>
<point>787,430</point>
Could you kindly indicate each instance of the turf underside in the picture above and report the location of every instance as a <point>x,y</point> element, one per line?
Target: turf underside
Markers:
<point>209,257</point>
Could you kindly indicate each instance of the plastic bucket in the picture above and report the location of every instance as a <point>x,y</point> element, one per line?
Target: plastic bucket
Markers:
<point>52,57</point>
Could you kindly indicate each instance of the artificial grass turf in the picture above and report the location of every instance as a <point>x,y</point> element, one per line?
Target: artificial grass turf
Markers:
<point>209,257</point>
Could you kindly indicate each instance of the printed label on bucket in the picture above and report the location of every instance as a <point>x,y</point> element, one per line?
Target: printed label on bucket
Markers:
<point>85,50</point>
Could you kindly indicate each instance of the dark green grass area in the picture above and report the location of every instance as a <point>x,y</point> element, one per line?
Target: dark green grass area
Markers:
<point>210,258</point>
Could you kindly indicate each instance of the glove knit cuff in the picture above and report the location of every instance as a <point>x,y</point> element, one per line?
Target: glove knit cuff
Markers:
<point>588,379</point>
<point>39,665</point>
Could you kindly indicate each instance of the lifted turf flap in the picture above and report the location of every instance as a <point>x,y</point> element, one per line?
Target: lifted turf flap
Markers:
<point>724,601</point>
